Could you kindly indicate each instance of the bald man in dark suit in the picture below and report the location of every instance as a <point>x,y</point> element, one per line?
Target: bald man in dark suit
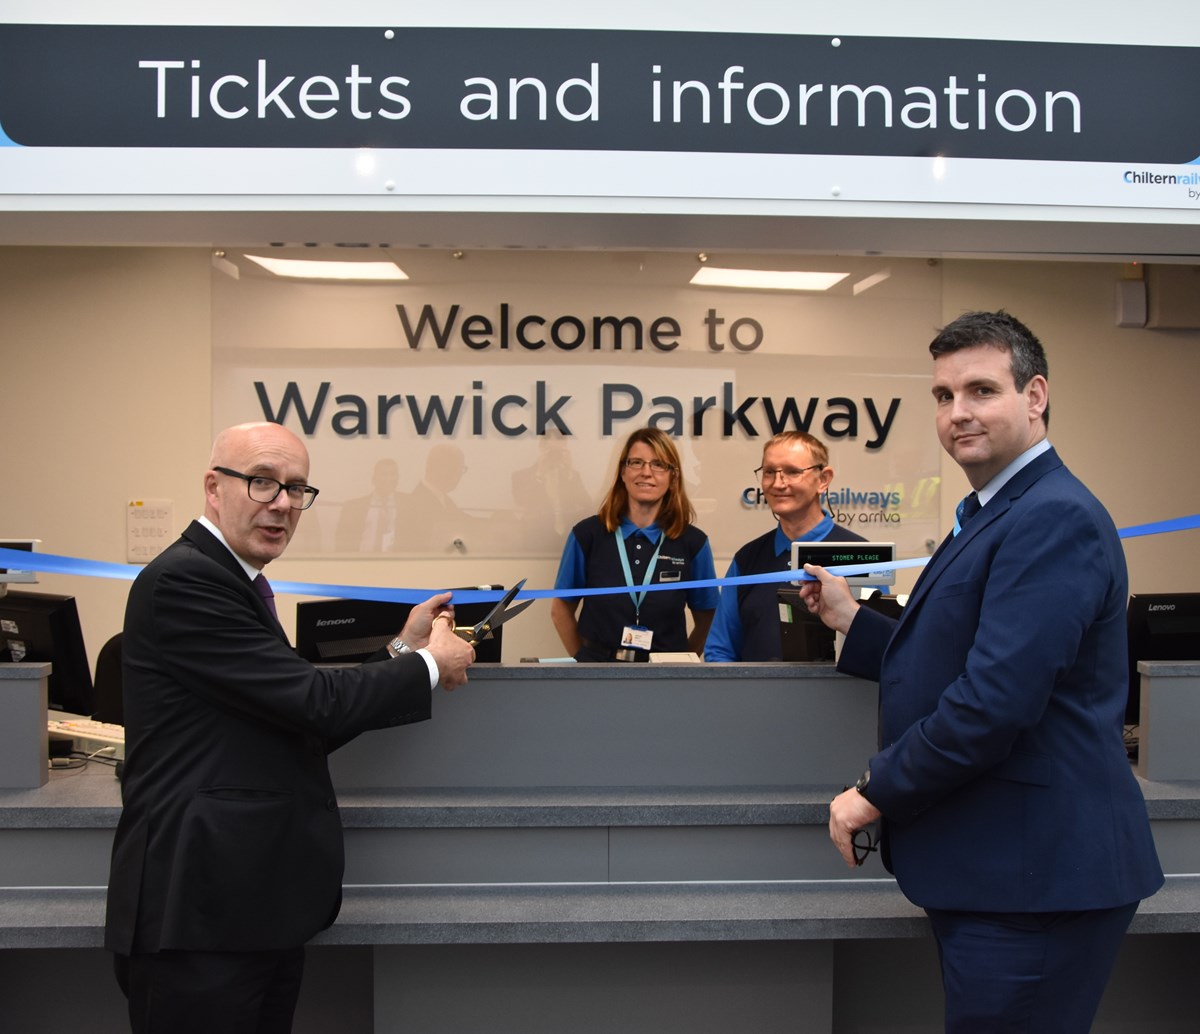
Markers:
<point>228,855</point>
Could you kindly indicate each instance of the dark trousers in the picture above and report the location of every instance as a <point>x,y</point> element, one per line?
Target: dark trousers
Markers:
<point>1036,973</point>
<point>204,992</point>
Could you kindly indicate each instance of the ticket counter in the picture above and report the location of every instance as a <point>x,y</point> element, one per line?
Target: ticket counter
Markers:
<point>592,848</point>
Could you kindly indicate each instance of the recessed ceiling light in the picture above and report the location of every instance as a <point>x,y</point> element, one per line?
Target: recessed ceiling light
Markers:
<point>874,280</point>
<point>767,279</point>
<point>313,269</point>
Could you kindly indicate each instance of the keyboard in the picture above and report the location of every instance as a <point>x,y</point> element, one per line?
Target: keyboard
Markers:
<point>92,735</point>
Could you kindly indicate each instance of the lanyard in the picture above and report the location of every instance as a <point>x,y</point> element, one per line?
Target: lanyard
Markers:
<point>637,597</point>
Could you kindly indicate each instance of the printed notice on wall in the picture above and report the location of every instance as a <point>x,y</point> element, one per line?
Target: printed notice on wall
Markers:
<point>149,529</point>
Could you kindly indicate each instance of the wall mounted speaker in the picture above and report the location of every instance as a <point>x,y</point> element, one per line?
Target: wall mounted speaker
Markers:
<point>1131,303</point>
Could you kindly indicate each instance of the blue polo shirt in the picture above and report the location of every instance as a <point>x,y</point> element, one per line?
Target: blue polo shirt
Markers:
<point>746,624</point>
<point>590,560</point>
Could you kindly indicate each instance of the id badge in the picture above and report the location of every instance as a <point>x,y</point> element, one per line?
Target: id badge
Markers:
<point>637,637</point>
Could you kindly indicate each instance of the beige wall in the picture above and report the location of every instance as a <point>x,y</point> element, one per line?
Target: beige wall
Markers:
<point>105,397</point>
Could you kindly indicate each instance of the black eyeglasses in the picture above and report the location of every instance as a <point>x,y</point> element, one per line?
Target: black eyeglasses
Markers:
<point>789,474</point>
<point>862,844</point>
<point>634,463</point>
<point>266,490</point>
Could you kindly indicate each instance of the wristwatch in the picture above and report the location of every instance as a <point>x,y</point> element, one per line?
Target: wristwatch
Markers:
<point>398,646</point>
<point>864,781</point>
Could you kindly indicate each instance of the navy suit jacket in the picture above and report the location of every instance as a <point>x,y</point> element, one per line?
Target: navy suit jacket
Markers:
<point>229,838</point>
<point>1002,775</point>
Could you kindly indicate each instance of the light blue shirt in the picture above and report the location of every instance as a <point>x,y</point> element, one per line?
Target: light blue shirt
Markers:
<point>988,492</point>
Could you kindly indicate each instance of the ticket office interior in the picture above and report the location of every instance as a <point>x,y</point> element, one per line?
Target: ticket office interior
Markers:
<point>109,359</point>
<point>108,396</point>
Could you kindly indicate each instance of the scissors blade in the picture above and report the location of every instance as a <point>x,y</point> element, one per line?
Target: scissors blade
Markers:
<point>497,615</point>
<point>512,612</point>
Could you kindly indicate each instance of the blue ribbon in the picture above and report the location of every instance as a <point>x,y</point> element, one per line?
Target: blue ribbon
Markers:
<point>1160,527</point>
<point>49,563</point>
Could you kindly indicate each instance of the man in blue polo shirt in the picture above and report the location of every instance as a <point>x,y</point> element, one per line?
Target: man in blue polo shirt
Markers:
<point>795,475</point>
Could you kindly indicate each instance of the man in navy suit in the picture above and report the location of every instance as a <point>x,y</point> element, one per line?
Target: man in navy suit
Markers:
<point>228,853</point>
<point>1006,805</point>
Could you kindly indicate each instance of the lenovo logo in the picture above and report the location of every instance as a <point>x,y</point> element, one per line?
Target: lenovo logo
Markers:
<point>1160,606</point>
<point>326,622</point>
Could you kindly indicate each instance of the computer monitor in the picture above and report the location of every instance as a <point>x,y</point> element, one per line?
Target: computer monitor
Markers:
<point>350,631</point>
<point>40,626</point>
<point>1162,627</point>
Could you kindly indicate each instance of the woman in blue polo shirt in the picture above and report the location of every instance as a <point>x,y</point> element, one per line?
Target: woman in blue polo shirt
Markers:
<point>642,536</point>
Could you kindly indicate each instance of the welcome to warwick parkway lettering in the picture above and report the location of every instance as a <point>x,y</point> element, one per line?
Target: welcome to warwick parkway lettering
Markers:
<point>622,404</point>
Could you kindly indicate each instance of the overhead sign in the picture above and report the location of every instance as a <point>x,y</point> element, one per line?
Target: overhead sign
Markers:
<point>440,92</point>
<point>198,86</point>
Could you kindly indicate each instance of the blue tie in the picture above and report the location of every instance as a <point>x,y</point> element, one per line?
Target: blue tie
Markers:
<point>968,507</point>
<point>268,596</point>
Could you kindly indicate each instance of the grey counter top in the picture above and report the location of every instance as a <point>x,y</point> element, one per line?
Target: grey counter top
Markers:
<point>581,913</point>
<point>583,745</point>
<point>89,798</point>
<point>1169,669</point>
<point>573,671</point>
<point>24,670</point>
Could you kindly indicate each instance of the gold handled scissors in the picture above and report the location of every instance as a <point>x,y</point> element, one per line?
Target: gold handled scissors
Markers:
<point>500,613</point>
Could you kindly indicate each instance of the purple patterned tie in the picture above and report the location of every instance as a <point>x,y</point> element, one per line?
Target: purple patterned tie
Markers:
<point>264,590</point>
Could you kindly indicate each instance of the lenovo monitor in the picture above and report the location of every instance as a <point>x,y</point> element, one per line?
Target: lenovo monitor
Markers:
<point>351,631</point>
<point>1162,627</point>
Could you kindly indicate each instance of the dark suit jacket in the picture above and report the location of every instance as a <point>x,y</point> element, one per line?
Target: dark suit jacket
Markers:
<point>230,837</point>
<point>1002,775</point>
